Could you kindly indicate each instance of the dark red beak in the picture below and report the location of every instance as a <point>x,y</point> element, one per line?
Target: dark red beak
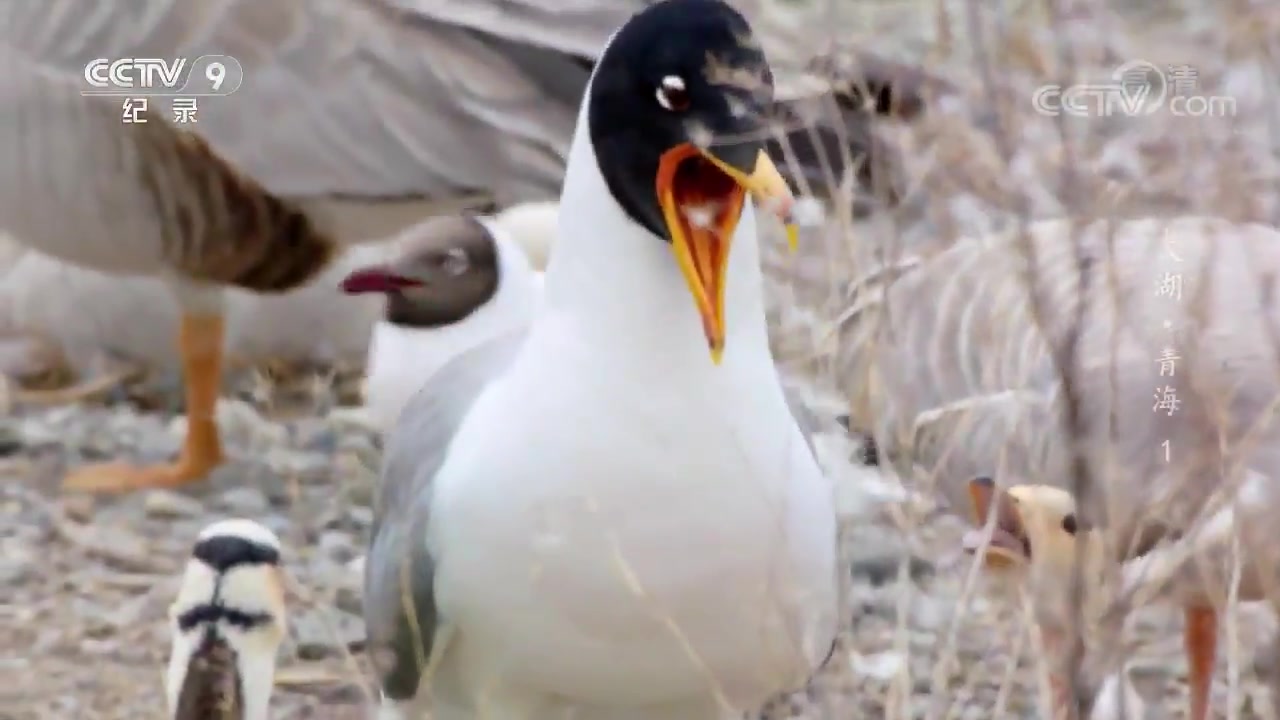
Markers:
<point>376,279</point>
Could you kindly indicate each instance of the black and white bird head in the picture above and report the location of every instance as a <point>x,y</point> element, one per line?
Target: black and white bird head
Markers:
<point>447,269</point>
<point>227,624</point>
<point>676,114</point>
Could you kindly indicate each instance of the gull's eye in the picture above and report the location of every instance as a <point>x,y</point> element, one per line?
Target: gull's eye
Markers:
<point>672,94</point>
<point>455,261</point>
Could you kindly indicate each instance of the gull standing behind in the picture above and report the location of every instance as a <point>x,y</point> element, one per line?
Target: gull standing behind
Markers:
<point>227,624</point>
<point>613,515</point>
<point>457,282</point>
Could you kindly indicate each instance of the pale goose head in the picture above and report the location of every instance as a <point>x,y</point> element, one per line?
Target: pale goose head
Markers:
<point>227,624</point>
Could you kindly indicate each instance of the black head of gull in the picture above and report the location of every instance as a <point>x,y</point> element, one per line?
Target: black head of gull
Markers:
<point>677,117</point>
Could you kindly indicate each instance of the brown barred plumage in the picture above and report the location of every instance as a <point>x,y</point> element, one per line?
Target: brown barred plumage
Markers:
<point>223,226</point>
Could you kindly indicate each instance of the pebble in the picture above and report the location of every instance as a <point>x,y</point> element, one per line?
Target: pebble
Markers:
<point>39,431</point>
<point>931,613</point>
<point>79,507</point>
<point>129,613</point>
<point>246,501</point>
<point>315,435</point>
<point>361,516</point>
<point>276,523</point>
<point>349,597</point>
<point>168,504</point>
<point>99,648</point>
<point>94,616</point>
<point>46,640</point>
<point>362,446</point>
<point>117,547</point>
<point>319,633</point>
<point>875,557</point>
<point>11,440</point>
<point>337,546</point>
<point>305,465</point>
<point>881,568</point>
<point>247,425</point>
<point>16,565</point>
<point>881,666</point>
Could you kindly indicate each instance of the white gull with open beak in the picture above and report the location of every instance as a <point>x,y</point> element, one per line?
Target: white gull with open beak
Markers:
<point>613,515</point>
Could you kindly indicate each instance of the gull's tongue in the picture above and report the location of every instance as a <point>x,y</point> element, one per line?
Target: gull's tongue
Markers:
<point>704,242</point>
<point>701,215</point>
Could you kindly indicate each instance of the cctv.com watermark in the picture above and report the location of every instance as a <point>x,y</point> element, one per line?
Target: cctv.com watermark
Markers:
<point>1137,88</point>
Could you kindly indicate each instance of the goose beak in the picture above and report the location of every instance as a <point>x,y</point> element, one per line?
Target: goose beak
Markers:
<point>1009,545</point>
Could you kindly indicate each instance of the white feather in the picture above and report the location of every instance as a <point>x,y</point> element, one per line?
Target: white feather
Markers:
<point>532,226</point>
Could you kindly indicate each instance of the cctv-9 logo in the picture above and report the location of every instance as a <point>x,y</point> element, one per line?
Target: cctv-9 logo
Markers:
<point>208,75</point>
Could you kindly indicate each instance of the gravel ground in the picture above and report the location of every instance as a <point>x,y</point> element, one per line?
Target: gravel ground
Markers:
<point>92,578</point>
<point>88,581</point>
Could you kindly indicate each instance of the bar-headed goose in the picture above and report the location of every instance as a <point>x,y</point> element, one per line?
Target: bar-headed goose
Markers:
<point>227,624</point>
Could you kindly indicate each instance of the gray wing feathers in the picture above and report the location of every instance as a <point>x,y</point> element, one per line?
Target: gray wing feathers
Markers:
<point>456,107</point>
<point>579,27</point>
<point>433,98</point>
<point>805,418</point>
<point>399,603</point>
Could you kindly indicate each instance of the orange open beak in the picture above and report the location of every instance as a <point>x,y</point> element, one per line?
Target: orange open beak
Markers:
<point>1008,546</point>
<point>702,199</point>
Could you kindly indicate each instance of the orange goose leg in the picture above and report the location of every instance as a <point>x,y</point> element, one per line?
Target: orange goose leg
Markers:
<point>200,345</point>
<point>1200,641</point>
